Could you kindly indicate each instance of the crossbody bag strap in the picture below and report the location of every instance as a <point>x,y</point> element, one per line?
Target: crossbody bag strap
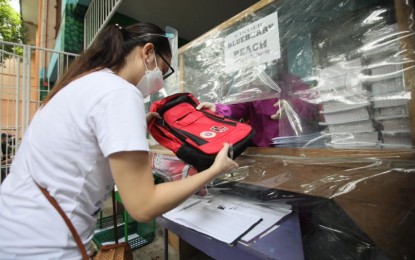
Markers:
<point>68,222</point>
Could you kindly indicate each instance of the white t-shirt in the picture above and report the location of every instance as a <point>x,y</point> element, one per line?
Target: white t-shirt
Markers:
<point>65,149</point>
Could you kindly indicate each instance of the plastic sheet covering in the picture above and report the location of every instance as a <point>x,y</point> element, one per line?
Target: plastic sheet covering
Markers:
<point>341,75</point>
<point>351,206</point>
<point>337,74</point>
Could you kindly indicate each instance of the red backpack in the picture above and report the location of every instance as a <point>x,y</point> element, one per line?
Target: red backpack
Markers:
<point>196,136</point>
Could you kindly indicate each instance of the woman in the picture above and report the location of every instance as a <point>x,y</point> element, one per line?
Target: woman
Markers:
<point>89,133</point>
<point>289,115</point>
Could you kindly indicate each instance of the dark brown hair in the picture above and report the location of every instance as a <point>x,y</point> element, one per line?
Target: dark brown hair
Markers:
<point>110,49</point>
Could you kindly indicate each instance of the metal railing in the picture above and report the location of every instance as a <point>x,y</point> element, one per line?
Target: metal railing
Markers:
<point>27,73</point>
<point>96,18</point>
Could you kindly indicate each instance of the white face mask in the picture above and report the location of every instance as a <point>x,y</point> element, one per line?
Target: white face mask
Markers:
<point>152,81</point>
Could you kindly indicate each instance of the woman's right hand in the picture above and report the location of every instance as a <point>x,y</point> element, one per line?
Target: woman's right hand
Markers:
<point>222,162</point>
<point>208,105</point>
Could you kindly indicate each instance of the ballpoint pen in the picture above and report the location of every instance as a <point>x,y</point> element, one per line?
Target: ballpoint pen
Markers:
<point>190,205</point>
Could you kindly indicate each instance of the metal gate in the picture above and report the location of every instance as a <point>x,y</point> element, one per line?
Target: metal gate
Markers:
<point>97,17</point>
<point>27,73</point>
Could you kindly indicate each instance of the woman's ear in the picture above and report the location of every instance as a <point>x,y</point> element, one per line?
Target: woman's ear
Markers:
<point>148,52</point>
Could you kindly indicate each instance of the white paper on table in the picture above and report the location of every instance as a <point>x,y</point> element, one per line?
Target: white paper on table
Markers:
<point>225,225</point>
<point>227,217</point>
<point>270,212</point>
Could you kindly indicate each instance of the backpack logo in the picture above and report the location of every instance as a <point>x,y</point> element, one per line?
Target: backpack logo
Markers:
<point>207,134</point>
<point>219,129</point>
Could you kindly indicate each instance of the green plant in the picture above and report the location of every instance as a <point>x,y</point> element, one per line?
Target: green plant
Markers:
<point>11,29</point>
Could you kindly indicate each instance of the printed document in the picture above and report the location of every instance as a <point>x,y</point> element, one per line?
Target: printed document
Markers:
<point>226,217</point>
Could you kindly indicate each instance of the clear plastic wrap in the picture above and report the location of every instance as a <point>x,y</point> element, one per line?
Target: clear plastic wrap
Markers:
<point>351,206</point>
<point>339,80</point>
<point>339,74</point>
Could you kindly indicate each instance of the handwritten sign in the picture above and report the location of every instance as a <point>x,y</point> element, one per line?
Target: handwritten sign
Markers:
<point>254,44</point>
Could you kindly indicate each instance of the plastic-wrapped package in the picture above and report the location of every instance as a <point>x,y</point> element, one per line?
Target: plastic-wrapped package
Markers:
<point>334,77</point>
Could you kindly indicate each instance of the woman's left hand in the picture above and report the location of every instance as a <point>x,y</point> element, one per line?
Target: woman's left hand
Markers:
<point>152,115</point>
<point>280,109</point>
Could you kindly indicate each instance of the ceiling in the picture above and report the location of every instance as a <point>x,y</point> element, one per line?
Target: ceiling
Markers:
<point>191,18</point>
